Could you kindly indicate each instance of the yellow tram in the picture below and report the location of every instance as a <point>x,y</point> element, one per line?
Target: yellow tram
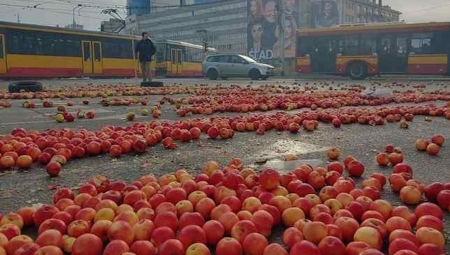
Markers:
<point>30,51</point>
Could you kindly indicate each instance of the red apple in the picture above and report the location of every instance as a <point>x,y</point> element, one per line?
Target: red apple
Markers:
<point>254,243</point>
<point>433,149</point>
<point>331,245</point>
<point>143,248</point>
<point>87,244</point>
<point>438,140</point>
<point>214,231</point>
<point>229,246</point>
<point>304,247</point>
<point>269,179</point>
<point>355,168</point>
<point>443,199</point>
<point>162,234</point>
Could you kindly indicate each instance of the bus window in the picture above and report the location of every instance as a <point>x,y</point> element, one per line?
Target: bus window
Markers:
<point>351,45</point>
<point>305,46</point>
<point>385,46</point>
<point>402,46</point>
<point>368,46</point>
<point>421,43</point>
<point>332,46</point>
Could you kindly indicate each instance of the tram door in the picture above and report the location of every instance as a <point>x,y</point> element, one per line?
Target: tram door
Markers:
<point>92,58</point>
<point>176,62</point>
<point>2,55</point>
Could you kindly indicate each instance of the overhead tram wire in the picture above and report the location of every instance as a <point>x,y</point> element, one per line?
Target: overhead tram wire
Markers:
<point>59,11</point>
<point>39,7</point>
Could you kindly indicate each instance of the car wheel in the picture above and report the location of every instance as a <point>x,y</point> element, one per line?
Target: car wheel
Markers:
<point>212,74</point>
<point>255,74</point>
<point>357,71</point>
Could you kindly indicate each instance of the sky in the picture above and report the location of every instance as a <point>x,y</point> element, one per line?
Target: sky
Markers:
<point>60,12</point>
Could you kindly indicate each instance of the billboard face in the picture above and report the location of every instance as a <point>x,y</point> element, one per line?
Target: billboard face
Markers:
<point>325,13</point>
<point>263,25</point>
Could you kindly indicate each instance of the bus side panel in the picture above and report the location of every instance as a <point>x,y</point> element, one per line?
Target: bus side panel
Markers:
<point>303,65</point>
<point>43,66</point>
<point>342,63</point>
<point>428,64</point>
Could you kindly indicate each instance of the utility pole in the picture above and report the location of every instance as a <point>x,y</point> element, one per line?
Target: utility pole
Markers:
<point>380,10</point>
<point>18,17</point>
<point>281,20</point>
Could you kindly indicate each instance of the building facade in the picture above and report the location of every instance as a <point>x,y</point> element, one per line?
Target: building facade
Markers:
<point>251,26</point>
<point>75,26</point>
<point>112,26</point>
<point>223,24</point>
<point>367,11</point>
<point>138,7</point>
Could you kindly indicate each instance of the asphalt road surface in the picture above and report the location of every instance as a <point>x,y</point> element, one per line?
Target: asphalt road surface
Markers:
<point>21,188</point>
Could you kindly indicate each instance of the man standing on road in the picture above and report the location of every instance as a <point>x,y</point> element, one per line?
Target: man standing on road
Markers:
<point>145,50</point>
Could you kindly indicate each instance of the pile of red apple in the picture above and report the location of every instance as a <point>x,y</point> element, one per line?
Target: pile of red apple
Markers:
<point>232,210</point>
<point>22,148</point>
<point>116,101</point>
<point>248,102</point>
<point>432,147</point>
<point>5,104</point>
<point>102,91</point>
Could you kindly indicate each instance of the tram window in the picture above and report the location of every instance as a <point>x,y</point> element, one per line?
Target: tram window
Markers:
<point>87,51</point>
<point>188,54</point>
<point>73,47</point>
<point>13,44</point>
<point>97,53</point>
<point>48,45</point>
<point>109,49</point>
<point>27,44</point>
<point>127,50</point>
<point>180,56</point>
<point>39,45</point>
<point>1,47</point>
<point>160,51</point>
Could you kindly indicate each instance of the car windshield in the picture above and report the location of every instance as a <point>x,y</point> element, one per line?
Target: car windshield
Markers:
<point>247,59</point>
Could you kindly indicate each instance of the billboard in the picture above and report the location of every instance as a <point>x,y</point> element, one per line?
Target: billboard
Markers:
<point>263,24</point>
<point>325,13</point>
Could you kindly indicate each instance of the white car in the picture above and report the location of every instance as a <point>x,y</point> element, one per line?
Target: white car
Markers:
<point>235,65</point>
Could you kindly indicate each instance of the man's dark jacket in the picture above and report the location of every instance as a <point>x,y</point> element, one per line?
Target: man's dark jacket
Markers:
<point>146,49</point>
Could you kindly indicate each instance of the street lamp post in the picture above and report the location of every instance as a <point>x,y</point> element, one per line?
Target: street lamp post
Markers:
<point>73,16</point>
<point>281,15</point>
<point>204,32</point>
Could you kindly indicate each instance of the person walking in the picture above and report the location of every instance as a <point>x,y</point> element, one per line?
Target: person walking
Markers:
<point>145,49</point>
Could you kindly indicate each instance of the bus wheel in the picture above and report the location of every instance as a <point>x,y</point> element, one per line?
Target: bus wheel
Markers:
<point>357,71</point>
<point>254,74</point>
<point>212,74</point>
